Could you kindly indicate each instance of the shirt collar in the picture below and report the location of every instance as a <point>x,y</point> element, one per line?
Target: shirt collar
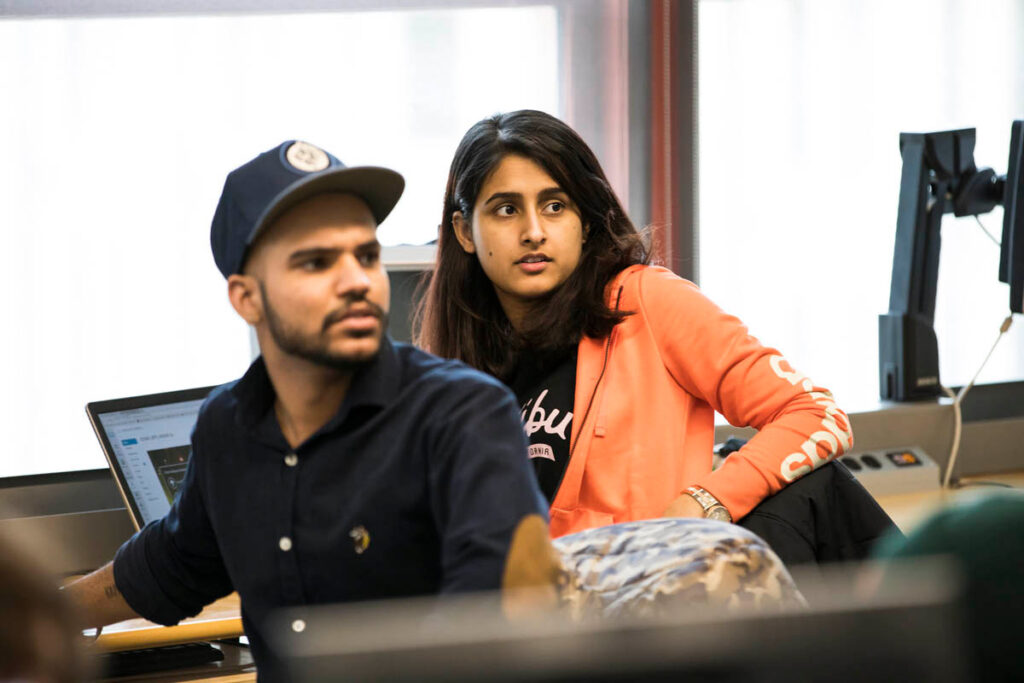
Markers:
<point>374,385</point>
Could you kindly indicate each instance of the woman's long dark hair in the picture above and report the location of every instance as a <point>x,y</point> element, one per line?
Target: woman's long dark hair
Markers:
<point>460,316</point>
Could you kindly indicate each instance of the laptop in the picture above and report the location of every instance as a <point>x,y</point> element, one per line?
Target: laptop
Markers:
<point>147,442</point>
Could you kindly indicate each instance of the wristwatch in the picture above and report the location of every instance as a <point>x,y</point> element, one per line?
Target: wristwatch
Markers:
<point>712,508</point>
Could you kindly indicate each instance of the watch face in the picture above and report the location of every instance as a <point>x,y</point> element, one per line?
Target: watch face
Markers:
<point>719,513</point>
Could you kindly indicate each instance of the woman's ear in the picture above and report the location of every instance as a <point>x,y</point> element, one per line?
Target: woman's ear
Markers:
<point>586,232</point>
<point>463,232</point>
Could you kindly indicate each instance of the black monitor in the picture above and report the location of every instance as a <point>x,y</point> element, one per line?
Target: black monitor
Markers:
<point>1011,256</point>
<point>939,176</point>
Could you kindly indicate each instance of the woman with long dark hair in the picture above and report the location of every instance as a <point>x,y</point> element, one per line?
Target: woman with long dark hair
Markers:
<point>542,280</point>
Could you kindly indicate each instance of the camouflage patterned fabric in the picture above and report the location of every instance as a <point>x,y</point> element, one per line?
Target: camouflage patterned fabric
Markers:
<point>656,566</point>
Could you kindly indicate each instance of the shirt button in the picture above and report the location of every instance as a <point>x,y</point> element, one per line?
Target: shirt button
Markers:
<point>285,543</point>
<point>298,626</point>
<point>291,460</point>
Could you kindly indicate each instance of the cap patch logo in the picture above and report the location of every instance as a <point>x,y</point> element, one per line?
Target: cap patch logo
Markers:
<point>306,157</point>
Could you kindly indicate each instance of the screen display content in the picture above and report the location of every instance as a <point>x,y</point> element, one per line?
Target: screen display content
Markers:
<point>152,449</point>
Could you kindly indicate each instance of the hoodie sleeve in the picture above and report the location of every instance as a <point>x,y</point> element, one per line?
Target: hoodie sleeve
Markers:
<point>712,355</point>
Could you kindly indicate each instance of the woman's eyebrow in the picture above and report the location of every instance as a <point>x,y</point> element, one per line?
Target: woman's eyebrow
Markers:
<point>504,196</point>
<point>546,193</point>
<point>549,192</point>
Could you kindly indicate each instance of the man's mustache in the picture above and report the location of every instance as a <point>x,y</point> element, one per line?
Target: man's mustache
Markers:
<point>356,307</point>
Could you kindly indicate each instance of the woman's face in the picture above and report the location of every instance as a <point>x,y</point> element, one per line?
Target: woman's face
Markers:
<point>525,231</point>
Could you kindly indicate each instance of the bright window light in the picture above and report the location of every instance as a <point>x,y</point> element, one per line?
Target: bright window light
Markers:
<point>801,107</point>
<point>117,134</point>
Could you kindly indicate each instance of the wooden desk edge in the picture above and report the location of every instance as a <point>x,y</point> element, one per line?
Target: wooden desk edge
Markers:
<point>220,619</point>
<point>157,635</point>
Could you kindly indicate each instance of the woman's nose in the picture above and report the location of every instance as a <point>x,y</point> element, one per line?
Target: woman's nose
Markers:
<point>533,231</point>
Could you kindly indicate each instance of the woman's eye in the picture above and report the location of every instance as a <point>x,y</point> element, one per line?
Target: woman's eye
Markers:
<point>505,210</point>
<point>555,208</point>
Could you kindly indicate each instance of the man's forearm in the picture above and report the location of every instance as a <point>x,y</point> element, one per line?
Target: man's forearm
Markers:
<point>98,598</point>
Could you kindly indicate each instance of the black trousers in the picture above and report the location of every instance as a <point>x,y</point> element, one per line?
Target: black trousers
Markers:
<point>825,516</point>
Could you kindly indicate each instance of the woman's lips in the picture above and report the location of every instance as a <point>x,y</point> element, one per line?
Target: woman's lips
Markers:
<point>533,266</point>
<point>533,263</point>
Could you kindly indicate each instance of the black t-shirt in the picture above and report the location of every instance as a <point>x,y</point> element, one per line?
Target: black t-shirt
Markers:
<point>545,385</point>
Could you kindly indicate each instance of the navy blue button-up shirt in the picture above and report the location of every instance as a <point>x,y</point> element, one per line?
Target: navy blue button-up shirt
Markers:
<point>414,487</point>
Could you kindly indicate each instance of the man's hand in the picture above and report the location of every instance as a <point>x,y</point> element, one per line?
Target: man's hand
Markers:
<point>98,599</point>
<point>684,506</point>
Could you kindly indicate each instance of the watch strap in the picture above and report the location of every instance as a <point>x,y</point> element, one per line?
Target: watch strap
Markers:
<point>706,500</point>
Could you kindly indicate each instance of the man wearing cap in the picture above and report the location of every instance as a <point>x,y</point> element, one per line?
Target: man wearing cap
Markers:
<point>341,466</point>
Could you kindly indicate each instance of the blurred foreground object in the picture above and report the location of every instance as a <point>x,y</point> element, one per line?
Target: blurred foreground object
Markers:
<point>40,641</point>
<point>911,633</point>
<point>985,539</point>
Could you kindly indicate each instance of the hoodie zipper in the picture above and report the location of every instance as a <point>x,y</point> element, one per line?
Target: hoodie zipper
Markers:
<point>599,423</point>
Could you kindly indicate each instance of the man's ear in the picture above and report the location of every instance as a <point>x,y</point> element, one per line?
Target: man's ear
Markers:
<point>463,232</point>
<point>246,298</point>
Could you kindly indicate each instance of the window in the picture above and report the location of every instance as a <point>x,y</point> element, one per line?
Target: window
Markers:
<point>117,134</point>
<point>801,106</point>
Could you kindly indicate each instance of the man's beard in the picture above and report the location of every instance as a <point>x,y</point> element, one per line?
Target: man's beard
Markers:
<point>315,348</point>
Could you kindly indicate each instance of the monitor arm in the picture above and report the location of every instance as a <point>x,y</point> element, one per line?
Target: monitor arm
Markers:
<point>939,176</point>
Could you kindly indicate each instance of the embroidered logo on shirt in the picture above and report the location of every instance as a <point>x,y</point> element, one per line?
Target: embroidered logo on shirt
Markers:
<point>542,450</point>
<point>360,539</point>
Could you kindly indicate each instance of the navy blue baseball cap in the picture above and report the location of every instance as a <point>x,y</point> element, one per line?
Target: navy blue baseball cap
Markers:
<point>256,193</point>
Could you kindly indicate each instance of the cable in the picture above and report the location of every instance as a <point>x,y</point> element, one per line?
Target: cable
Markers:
<point>958,399</point>
<point>985,230</point>
<point>957,422</point>
<point>996,484</point>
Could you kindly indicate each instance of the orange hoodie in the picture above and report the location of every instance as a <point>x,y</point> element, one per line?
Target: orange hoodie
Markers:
<point>645,402</point>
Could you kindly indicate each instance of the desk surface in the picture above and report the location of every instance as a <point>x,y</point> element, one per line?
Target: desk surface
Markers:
<point>909,509</point>
<point>222,619</point>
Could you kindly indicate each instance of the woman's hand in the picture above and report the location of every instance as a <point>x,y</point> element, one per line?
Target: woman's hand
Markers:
<point>684,506</point>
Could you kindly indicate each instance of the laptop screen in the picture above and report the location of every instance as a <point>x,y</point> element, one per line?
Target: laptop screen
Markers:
<point>147,441</point>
